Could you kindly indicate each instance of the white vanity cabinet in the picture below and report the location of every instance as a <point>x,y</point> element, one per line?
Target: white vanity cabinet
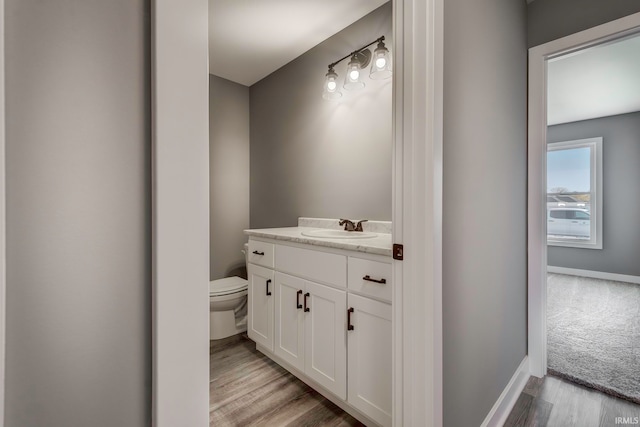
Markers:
<point>298,313</point>
<point>309,330</point>
<point>325,343</point>
<point>289,320</point>
<point>369,367</point>
<point>261,305</point>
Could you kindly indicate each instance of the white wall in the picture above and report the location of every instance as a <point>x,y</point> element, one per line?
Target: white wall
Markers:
<point>3,230</point>
<point>621,202</point>
<point>484,216</point>
<point>229,176</point>
<point>78,213</point>
<point>552,19</point>
<point>317,158</point>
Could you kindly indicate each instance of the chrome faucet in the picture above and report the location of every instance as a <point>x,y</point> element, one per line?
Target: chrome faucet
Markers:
<point>350,225</point>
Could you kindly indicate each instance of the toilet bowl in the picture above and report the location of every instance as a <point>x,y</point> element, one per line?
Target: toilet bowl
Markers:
<point>226,297</point>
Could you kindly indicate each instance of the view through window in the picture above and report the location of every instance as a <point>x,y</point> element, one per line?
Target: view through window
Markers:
<point>572,193</point>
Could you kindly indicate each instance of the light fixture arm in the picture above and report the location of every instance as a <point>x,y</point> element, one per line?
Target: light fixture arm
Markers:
<point>355,52</point>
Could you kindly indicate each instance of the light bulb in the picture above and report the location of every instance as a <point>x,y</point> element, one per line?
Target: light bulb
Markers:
<point>330,90</point>
<point>381,68</point>
<point>353,81</point>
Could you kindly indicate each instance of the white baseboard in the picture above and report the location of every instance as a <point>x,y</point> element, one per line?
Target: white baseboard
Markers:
<point>505,403</point>
<point>594,274</point>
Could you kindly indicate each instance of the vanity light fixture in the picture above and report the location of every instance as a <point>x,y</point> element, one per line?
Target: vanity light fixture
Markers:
<point>360,59</point>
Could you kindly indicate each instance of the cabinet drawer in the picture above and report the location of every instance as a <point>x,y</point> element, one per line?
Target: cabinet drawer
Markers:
<point>261,253</point>
<point>365,277</point>
<point>314,265</point>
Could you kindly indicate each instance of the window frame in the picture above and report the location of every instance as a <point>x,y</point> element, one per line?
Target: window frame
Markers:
<point>595,145</point>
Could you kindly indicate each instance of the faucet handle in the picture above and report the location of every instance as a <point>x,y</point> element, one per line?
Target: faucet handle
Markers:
<point>359,224</point>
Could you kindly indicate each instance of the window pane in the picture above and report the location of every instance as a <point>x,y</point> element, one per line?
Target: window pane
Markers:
<point>569,171</point>
<point>569,193</point>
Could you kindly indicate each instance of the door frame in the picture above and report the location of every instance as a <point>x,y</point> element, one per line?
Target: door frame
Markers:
<point>537,166</point>
<point>417,212</point>
<point>180,221</point>
<point>180,213</point>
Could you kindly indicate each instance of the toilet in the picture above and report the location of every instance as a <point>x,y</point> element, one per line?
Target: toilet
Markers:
<point>226,296</point>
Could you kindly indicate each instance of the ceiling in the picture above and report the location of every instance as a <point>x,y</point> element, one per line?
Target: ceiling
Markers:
<point>250,39</point>
<point>597,82</point>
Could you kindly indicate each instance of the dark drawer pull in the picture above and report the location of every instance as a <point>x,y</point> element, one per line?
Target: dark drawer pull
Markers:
<point>267,284</point>
<point>349,325</point>
<point>369,279</point>
<point>298,305</point>
<point>258,253</point>
<point>306,309</point>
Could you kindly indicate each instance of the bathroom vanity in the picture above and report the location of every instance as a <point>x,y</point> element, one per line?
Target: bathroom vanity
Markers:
<point>321,308</point>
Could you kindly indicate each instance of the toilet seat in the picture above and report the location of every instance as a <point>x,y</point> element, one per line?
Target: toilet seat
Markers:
<point>227,286</point>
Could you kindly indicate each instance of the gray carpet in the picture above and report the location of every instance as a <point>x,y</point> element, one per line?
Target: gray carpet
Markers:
<point>594,333</point>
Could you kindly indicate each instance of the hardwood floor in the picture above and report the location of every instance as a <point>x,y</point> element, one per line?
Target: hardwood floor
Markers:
<point>248,389</point>
<point>555,402</point>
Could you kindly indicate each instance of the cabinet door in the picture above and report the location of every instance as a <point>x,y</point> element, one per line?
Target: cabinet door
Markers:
<point>370,358</point>
<point>261,301</point>
<point>325,337</point>
<point>289,327</point>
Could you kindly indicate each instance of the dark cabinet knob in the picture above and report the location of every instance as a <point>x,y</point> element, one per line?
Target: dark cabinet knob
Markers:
<point>369,279</point>
<point>349,325</point>
<point>306,309</point>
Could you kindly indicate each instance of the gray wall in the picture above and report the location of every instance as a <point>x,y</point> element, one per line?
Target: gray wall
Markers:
<point>78,213</point>
<point>229,175</point>
<point>484,233</point>
<point>311,157</point>
<point>552,19</point>
<point>621,203</point>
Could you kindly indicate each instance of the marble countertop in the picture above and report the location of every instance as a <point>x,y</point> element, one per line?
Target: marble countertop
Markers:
<point>381,244</point>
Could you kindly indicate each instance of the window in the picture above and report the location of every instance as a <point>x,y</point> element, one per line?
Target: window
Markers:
<point>574,193</point>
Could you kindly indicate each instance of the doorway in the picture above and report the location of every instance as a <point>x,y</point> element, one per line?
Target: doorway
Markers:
<point>575,294</point>
<point>281,149</point>
<point>593,117</point>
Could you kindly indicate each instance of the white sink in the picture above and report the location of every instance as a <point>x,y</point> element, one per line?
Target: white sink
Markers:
<point>338,234</point>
